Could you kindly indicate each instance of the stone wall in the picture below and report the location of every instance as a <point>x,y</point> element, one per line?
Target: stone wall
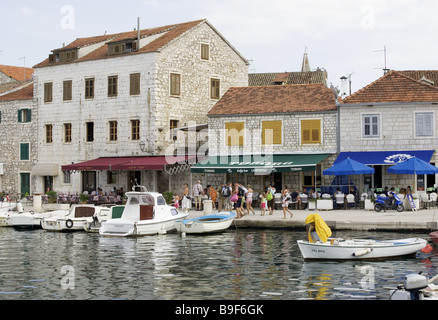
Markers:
<point>12,133</point>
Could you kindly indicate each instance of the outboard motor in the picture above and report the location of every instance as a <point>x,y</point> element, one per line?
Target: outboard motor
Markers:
<point>411,289</point>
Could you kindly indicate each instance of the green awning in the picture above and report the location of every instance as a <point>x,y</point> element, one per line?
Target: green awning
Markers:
<point>259,164</point>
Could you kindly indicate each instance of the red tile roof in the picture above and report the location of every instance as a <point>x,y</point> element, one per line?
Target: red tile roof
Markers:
<point>17,73</point>
<point>394,87</point>
<point>275,99</point>
<point>269,79</point>
<point>169,32</point>
<point>25,93</point>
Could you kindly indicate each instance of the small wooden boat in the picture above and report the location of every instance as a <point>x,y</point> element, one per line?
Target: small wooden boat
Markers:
<point>145,213</point>
<point>339,249</point>
<point>206,224</point>
<point>434,237</point>
<point>76,218</point>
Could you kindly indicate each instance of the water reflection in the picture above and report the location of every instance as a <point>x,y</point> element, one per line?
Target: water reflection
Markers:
<point>235,265</point>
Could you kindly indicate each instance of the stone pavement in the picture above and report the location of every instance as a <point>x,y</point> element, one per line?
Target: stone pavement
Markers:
<point>343,219</point>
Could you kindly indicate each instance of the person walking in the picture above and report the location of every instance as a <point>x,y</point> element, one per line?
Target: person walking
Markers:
<point>197,195</point>
<point>186,202</point>
<point>285,199</point>
<point>226,192</point>
<point>270,196</point>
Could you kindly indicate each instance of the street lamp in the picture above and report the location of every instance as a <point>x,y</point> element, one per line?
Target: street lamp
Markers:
<point>142,146</point>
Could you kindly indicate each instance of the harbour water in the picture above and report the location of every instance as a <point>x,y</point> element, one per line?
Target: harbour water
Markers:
<point>241,264</point>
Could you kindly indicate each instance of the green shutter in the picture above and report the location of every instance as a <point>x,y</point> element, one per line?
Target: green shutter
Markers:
<point>24,151</point>
<point>19,116</point>
<point>29,115</point>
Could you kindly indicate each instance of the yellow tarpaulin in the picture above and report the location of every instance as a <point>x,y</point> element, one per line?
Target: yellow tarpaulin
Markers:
<point>321,228</point>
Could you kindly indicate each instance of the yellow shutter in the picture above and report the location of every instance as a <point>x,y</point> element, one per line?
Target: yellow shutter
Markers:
<point>310,131</point>
<point>234,133</point>
<point>273,127</point>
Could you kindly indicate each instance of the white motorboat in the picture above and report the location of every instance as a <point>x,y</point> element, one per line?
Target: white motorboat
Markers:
<point>32,220</point>
<point>94,225</point>
<point>145,213</point>
<point>215,222</point>
<point>7,209</point>
<point>340,249</point>
<point>75,219</point>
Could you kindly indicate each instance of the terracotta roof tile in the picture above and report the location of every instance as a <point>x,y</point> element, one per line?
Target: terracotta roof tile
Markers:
<point>169,32</point>
<point>288,78</point>
<point>275,99</point>
<point>394,87</point>
<point>17,73</point>
<point>25,93</point>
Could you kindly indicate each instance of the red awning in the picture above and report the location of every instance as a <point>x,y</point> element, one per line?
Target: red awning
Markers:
<point>150,163</point>
<point>96,164</point>
<point>129,163</point>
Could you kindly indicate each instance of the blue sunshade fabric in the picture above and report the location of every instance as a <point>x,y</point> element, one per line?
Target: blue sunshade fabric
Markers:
<point>385,157</point>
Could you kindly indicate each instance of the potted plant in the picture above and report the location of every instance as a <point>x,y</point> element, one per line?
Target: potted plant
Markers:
<point>168,196</point>
<point>52,196</point>
<point>83,198</point>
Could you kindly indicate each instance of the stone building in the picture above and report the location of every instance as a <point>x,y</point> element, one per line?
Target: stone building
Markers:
<point>284,135</point>
<point>109,105</point>
<point>18,143</point>
<point>389,120</point>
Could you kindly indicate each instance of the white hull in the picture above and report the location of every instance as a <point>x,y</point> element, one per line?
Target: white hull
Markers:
<point>360,248</point>
<point>207,224</point>
<point>75,221</point>
<point>63,224</point>
<point>126,228</point>
<point>30,220</point>
<point>6,210</point>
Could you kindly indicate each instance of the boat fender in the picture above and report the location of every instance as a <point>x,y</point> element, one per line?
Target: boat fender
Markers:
<point>20,207</point>
<point>363,252</point>
<point>69,223</point>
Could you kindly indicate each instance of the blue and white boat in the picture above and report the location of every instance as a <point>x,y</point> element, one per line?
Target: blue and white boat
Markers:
<point>215,222</point>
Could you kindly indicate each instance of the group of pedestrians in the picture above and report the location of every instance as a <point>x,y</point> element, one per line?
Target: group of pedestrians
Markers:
<point>235,196</point>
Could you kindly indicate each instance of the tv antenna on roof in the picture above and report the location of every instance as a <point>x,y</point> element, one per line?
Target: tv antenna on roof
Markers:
<point>385,69</point>
<point>24,67</point>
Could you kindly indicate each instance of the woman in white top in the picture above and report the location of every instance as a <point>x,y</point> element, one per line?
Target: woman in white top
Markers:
<point>248,199</point>
<point>285,198</point>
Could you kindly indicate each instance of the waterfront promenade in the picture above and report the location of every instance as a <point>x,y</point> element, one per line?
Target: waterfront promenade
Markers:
<point>343,219</point>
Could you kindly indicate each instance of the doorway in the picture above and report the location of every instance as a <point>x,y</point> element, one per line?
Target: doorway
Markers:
<point>134,178</point>
<point>89,181</point>
<point>25,183</point>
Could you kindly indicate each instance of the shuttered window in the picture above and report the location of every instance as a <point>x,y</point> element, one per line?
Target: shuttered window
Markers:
<point>48,94</point>
<point>310,131</point>
<point>24,115</point>
<point>112,86</point>
<point>215,88</point>
<point>24,151</point>
<point>134,84</point>
<point>175,84</point>
<point>271,132</point>
<point>67,90</point>
<point>89,88</point>
<point>205,51</point>
<point>235,133</point>
<point>424,124</point>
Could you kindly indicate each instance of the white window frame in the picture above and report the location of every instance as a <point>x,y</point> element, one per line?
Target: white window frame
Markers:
<point>379,125</point>
<point>418,128</point>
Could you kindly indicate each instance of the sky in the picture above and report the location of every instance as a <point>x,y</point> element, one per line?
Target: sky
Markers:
<point>345,37</point>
